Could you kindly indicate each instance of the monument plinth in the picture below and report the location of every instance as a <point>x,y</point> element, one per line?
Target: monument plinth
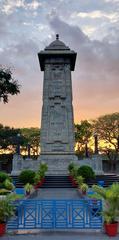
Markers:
<point>57,124</point>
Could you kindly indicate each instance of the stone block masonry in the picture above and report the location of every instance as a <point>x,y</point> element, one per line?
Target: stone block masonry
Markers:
<point>57,124</point>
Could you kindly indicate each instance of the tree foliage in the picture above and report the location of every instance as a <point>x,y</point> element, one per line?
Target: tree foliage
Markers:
<point>8,85</point>
<point>107,128</point>
<point>83,132</point>
<point>86,172</point>
<point>32,137</point>
<point>11,137</point>
<point>27,176</point>
<point>8,137</point>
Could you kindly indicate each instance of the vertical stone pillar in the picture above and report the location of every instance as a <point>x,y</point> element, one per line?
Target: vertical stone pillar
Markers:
<point>57,123</point>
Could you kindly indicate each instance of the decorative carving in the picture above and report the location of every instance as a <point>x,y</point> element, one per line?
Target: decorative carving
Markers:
<point>67,67</point>
<point>57,125</point>
<point>47,67</point>
<point>57,82</point>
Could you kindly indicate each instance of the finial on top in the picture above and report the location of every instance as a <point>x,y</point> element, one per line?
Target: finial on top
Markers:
<point>57,36</point>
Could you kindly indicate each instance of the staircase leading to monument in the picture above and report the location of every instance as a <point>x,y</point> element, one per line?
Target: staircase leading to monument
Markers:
<point>57,182</point>
<point>17,182</point>
<point>108,179</point>
<point>64,182</point>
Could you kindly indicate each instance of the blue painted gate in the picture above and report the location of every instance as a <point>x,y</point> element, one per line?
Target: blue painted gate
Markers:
<point>57,214</point>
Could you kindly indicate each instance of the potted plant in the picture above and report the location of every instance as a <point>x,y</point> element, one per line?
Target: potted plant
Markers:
<point>42,171</point>
<point>111,207</point>
<point>43,166</point>
<point>36,180</point>
<point>74,175</point>
<point>84,188</point>
<point>8,185</point>
<point>70,168</point>
<point>6,211</point>
<point>79,180</point>
<point>28,188</point>
<point>86,172</point>
<point>27,176</point>
<point>40,175</point>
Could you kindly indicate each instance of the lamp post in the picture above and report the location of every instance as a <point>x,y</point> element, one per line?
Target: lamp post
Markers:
<point>95,143</point>
<point>18,144</point>
<point>29,152</point>
<point>86,149</point>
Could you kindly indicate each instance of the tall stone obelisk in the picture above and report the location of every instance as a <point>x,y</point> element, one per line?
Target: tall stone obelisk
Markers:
<point>57,124</point>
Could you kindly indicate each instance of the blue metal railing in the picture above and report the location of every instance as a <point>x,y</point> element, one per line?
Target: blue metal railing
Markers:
<point>57,214</point>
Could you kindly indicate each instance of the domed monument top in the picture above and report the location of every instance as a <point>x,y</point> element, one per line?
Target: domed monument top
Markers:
<point>57,49</point>
<point>57,45</point>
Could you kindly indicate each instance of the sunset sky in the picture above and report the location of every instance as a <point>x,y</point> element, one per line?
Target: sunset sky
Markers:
<point>90,27</point>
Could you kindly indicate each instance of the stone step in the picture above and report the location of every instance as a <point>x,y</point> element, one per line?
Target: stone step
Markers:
<point>64,182</point>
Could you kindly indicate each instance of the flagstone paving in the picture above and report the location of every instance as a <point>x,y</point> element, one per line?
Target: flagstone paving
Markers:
<point>60,236</point>
<point>57,193</point>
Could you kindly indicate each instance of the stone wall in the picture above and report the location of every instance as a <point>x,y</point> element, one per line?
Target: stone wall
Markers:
<point>55,166</point>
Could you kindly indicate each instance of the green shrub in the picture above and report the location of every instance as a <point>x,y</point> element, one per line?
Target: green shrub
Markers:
<point>28,188</point>
<point>3,177</point>
<point>110,197</point>
<point>71,166</point>
<point>4,191</point>
<point>42,170</point>
<point>86,172</point>
<point>41,174</point>
<point>27,176</point>
<point>74,172</point>
<point>84,187</point>
<point>79,180</point>
<point>6,209</point>
<point>43,167</point>
<point>37,178</point>
<point>8,185</point>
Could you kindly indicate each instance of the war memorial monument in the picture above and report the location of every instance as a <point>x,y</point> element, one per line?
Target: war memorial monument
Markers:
<point>57,123</point>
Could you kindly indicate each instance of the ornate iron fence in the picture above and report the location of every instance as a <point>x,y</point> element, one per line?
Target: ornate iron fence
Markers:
<point>57,214</point>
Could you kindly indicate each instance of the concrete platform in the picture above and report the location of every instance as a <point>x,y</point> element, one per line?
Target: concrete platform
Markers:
<point>57,193</point>
<point>53,235</point>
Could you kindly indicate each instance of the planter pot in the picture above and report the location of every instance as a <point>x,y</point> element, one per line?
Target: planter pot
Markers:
<point>36,186</point>
<point>2,228</point>
<point>39,184</point>
<point>79,190</point>
<point>84,192</point>
<point>27,193</point>
<point>74,183</point>
<point>70,177</point>
<point>111,229</point>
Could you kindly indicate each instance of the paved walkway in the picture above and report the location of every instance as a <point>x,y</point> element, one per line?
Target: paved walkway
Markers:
<point>57,193</point>
<point>60,236</point>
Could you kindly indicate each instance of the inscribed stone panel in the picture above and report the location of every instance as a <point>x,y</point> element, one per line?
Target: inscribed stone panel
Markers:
<point>58,130</point>
<point>57,82</point>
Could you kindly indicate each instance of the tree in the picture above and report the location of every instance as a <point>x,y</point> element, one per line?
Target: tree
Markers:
<point>8,137</point>
<point>107,128</point>
<point>8,86</point>
<point>32,137</point>
<point>83,132</point>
